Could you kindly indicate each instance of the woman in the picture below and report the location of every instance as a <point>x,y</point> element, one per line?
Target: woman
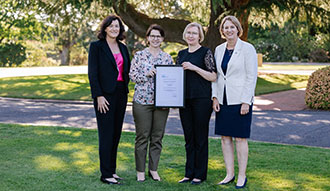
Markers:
<point>149,121</point>
<point>200,69</point>
<point>108,67</point>
<point>232,96</point>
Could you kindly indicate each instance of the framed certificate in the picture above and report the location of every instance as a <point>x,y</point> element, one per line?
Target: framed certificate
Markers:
<point>169,86</point>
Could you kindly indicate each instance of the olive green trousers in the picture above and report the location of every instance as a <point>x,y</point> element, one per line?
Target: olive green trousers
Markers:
<point>150,125</point>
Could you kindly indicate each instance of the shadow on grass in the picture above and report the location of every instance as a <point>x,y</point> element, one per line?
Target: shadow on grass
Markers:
<point>57,158</point>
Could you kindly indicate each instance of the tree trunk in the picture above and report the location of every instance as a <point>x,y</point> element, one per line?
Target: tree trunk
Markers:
<point>139,22</point>
<point>244,19</point>
<point>65,55</point>
<point>212,36</point>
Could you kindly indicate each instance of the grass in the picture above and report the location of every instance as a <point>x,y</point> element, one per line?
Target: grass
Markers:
<point>290,67</point>
<point>76,86</point>
<point>269,83</point>
<point>59,158</point>
<point>66,87</point>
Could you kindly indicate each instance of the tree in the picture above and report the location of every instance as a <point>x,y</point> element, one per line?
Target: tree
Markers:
<point>18,20</point>
<point>137,20</point>
<point>72,22</point>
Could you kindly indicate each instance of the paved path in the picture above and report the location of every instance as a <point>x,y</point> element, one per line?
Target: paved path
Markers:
<point>290,127</point>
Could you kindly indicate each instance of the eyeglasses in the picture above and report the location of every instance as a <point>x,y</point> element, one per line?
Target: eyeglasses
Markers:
<point>155,36</point>
<point>192,33</point>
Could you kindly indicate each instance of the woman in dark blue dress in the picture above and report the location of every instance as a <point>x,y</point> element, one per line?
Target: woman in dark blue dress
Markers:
<point>232,95</point>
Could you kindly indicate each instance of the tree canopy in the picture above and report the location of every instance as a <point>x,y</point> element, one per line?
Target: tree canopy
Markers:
<point>175,15</point>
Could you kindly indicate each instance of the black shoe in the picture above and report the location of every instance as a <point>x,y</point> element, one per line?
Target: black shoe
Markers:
<point>196,182</point>
<point>184,180</point>
<point>238,187</point>
<point>150,175</point>
<point>104,180</point>
<point>230,181</point>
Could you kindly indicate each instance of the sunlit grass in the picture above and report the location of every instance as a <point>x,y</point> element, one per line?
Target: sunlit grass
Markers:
<point>54,158</point>
<point>268,83</point>
<point>290,67</point>
<point>76,87</point>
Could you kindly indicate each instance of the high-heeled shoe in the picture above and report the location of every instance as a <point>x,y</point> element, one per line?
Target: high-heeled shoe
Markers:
<point>184,180</point>
<point>140,177</point>
<point>117,177</point>
<point>194,182</point>
<point>150,175</point>
<point>104,180</point>
<point>224,183</point>
<point>238,187</point>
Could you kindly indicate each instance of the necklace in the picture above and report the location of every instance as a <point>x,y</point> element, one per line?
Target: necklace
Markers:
<point>230,52</point>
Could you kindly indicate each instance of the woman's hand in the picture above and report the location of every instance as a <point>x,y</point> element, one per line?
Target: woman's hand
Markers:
<point>102,104</point>
<point>189,66</point>
<point>151,73</point>
<point>216,105</point>
<point>245,108</point>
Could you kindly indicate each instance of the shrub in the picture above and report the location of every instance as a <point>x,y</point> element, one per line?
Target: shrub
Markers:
<point>40,54</point>
<point>12,54</point>
<point>78,56</point>
<point>290,43</point>
<point>318,89</point>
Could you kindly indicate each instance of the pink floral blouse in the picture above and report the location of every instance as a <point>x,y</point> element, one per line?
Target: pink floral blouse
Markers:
<point>141,64</point>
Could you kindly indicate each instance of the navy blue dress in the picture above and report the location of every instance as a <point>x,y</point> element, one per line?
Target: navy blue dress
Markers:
<point>229,121</point>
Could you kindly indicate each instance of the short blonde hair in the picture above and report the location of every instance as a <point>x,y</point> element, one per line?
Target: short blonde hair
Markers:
<point>235,21</point>
<point>200,29</point>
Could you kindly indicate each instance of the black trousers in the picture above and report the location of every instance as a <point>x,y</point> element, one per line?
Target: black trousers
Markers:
<point>109,126</point>
<point>195,118</point>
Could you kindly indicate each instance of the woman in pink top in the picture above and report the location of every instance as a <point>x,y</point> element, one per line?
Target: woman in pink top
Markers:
<point>149,121</point>
<point>108,67</point>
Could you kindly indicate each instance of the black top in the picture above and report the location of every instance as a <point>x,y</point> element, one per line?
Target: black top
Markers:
<point>196,85</point>
<point>102,68</point>
<point>225,60</point>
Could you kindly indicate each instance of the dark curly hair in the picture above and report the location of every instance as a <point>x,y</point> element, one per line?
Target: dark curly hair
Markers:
<point>106,22</point>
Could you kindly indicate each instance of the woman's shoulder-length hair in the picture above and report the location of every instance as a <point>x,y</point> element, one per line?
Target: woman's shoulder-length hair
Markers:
<point>106,22</point>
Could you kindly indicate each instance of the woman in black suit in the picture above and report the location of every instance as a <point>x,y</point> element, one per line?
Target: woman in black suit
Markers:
<point>108,68</point>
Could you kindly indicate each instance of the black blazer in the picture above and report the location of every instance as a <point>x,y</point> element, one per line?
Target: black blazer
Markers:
<point>102,68</point>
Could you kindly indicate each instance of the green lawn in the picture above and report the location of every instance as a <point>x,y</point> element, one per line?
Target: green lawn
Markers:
<point>59,158</point>
<point>290,67</point>
<point>76,87</point>
<point>268,83</point>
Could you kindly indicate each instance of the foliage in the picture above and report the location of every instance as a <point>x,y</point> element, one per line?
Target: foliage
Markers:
<point>40,54</point>
<point>63,158</point>
<point>72,23</point>
<point>139,14</point>
<point>12,54</point>
<point>292,42</point>
<point>318,89</point>
<point>18,20</point>
<point>79,56</point>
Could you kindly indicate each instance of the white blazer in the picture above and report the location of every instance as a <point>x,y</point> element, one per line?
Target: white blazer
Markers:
<point>241,76</point>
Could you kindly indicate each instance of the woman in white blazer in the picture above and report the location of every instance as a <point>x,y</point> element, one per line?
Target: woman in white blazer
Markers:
<point>232,96</point>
